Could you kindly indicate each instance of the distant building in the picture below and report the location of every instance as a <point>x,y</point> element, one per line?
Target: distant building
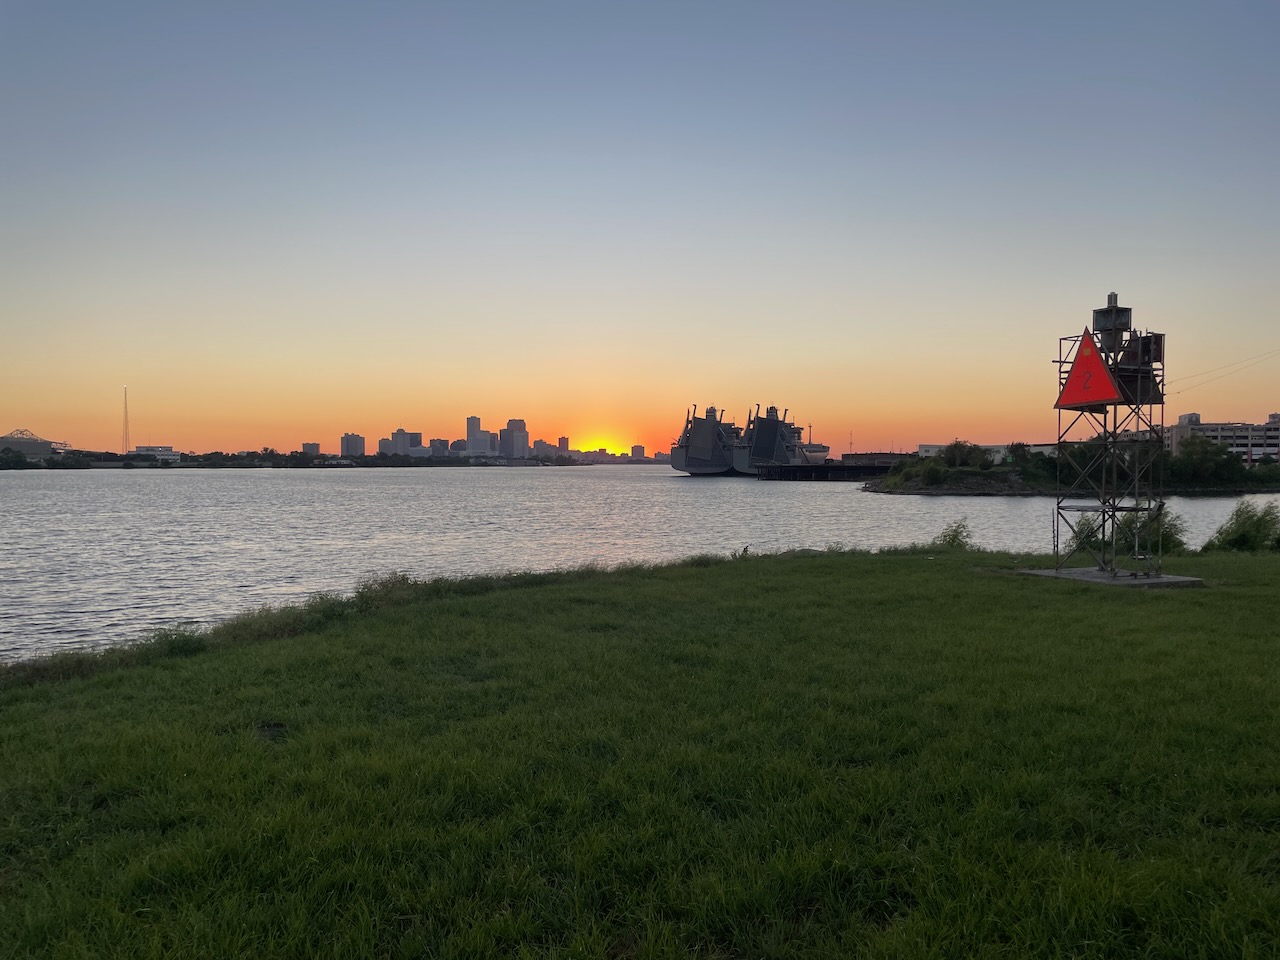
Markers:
<point>1249,441</point>
<point>637,452</point>
<point>477,438</point>
<point>352,445</point>
<point>998,451</point>
<point>458,448</point>
<point>402,443</point>
<point>438,447</point>
<point>543,449</point>
<point>513,440</point>
<point>30,446</point>
<point>563,446</point>
<point>311,449</point>
<point>162,454</point>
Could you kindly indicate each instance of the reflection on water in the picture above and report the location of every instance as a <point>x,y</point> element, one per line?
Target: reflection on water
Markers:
<point>99,557</point>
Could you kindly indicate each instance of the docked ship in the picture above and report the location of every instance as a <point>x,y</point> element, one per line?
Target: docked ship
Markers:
<point>813,452</point>
<point>710,447</point>
<point>706,444</point>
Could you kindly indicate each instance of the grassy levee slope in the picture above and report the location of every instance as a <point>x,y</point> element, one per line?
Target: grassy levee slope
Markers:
<point>902,755</point>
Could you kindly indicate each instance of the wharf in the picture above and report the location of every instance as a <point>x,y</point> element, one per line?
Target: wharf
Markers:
<point>850,466</point>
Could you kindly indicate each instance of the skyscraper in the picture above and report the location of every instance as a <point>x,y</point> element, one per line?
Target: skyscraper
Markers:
<point>513,440</point>
<point>478,442</point>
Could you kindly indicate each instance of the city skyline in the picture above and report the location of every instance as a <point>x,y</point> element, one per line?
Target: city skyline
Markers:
<point>281,224</point>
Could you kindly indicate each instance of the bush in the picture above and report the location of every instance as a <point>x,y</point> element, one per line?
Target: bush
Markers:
<point>1087,535</point>
<point>955,536</point>
<point>1168,534</point>
<point>1249,528</point>
<point>933,473</point>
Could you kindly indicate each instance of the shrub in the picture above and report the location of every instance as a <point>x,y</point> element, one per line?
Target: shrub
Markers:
<point>1168,534</point>
<point>1250,528</point>
<point>1087,535</point>
<point>955,536</point>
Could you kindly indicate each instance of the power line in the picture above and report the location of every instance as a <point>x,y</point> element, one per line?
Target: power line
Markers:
<point>1258,358</point>
<point>1230,373</point>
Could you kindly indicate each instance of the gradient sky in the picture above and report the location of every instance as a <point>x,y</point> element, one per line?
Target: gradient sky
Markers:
<point>280,221</point>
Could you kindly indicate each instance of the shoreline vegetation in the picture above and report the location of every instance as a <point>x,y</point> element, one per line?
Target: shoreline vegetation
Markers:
<point>269,458</point>
<point>962,469</point>
<point>913,753</point>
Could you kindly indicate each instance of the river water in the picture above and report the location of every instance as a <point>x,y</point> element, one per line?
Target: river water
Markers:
<point>98,557</point>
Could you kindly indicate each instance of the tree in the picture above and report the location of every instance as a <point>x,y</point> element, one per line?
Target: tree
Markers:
<point>1201,461</point>
<point>962,453</point>
<point>11,459</point>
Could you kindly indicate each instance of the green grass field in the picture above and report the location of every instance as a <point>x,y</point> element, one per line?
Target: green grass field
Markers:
<point>914,754</point>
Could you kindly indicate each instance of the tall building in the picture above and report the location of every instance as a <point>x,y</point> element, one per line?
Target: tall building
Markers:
<point>513,440</point>
<point>637,452</point>
<point>480,443</point>
<point>351,445</point>
<point>402,443</point>
<point>311,449</point>
<point>563,446</point>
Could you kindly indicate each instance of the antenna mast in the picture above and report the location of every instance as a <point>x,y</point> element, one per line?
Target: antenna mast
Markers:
<point>125,450</point>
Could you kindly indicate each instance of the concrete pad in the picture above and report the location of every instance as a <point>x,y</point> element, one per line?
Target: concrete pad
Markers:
<point>1121,578</point>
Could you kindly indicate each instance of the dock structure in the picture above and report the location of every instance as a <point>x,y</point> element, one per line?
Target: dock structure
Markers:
<point>850,467</point>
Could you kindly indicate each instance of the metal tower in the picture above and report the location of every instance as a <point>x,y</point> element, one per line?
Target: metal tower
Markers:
<point>1110,482</point>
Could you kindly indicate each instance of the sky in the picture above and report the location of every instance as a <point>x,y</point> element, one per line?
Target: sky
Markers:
<point>278,222</point>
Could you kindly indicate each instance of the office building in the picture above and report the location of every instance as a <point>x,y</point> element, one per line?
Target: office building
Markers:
<point>351,445</point>
<point>161,454</point>
<point>513,440</point>
<point>1249,441</point>
<point>480,443</point>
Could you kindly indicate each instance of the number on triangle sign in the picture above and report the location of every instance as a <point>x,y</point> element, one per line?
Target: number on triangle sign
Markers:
<point>1089,382</point>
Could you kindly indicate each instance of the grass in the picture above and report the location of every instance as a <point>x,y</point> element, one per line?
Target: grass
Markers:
<point>912,754</point>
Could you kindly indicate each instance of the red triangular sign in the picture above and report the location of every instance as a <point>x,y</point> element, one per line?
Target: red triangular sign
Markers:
<point>1089,383</point>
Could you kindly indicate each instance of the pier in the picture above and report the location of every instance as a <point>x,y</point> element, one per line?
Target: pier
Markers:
<point>850,467</point>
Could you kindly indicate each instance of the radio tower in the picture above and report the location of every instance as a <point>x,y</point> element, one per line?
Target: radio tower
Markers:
<point>125,450</point>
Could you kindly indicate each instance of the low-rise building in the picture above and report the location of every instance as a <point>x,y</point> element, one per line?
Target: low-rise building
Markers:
<point>1249,441</point>
<point>998,451</point>
<point>161,454</point>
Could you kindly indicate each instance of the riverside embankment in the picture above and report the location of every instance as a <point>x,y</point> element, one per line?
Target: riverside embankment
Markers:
<point>833,754</point>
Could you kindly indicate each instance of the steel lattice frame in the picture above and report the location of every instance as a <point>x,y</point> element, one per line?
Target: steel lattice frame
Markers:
<point>1116,474</point>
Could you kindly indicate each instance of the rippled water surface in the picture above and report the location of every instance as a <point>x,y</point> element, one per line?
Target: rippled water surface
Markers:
<point>103,556</point>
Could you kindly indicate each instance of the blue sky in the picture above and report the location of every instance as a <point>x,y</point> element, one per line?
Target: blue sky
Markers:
<point>561,211</point>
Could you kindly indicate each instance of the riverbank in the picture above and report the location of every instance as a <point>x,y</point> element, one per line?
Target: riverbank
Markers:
<point>1008,482</point>
<point>913,753</point>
